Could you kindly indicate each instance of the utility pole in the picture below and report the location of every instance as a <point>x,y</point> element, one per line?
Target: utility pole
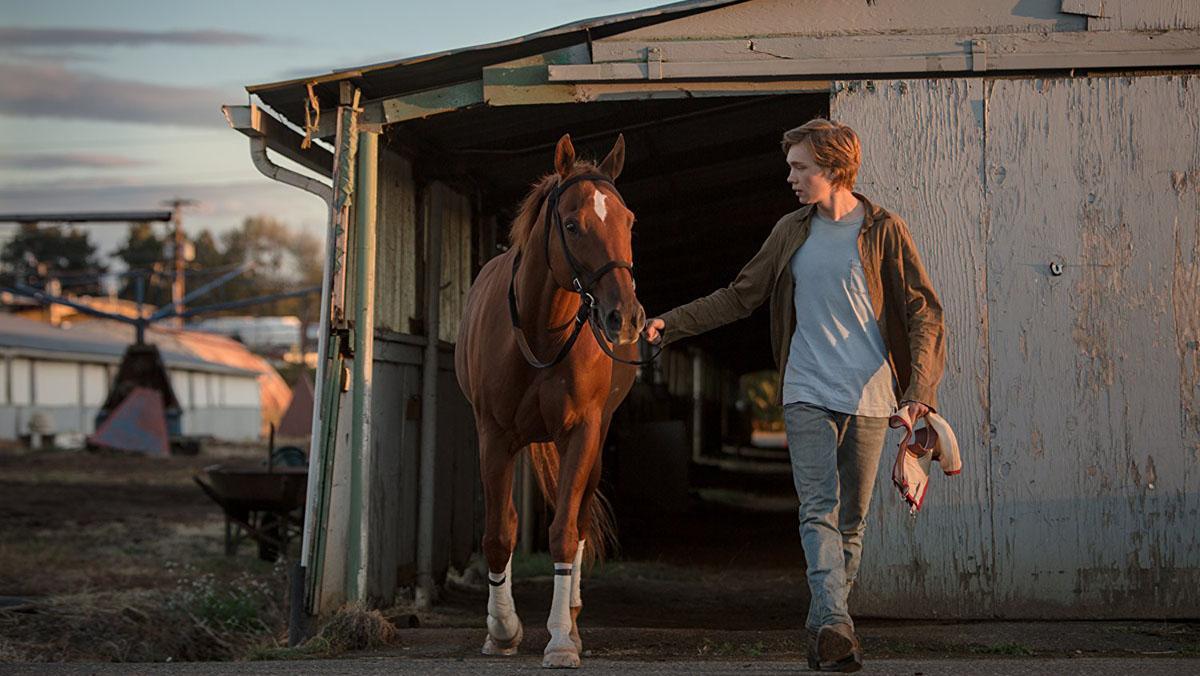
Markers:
<point>177,286</point>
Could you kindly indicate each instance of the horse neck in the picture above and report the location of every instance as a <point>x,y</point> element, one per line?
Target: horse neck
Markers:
<point>543,303</point>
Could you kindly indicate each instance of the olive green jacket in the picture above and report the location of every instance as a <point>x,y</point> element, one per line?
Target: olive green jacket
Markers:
<point>907,309</point>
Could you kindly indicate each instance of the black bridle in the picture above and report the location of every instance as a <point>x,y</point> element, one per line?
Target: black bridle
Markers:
<point>582,283</point>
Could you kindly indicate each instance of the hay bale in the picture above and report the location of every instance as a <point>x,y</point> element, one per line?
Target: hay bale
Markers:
<point>353,627</point>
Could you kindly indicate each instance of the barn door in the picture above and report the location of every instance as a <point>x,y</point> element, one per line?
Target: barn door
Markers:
<point>1093,281</point>
<point>923,159</point>
<point>1060,221</point>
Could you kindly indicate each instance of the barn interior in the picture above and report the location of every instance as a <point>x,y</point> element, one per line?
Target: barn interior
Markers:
<point>706,179</point>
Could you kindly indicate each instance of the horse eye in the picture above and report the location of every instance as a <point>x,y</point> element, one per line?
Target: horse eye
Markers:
<point>571,226</point>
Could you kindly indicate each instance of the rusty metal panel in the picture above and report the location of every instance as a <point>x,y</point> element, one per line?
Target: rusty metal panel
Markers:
<point>1092,278</point>
<point>396,239</point>
<point>922,145</point>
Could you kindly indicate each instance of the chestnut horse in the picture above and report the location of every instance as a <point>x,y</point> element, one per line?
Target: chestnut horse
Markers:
<point>569,265</point>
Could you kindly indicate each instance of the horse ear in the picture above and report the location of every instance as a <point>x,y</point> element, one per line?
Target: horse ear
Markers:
<point>564,156</point>
<point>612,165</point>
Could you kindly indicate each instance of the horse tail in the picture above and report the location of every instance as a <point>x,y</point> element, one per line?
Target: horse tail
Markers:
<point>601,524</point>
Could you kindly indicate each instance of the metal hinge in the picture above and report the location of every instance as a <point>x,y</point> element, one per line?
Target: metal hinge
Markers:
<point>979,55</point>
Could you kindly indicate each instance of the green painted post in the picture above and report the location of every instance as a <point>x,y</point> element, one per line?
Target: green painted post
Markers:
<point>364,343</point>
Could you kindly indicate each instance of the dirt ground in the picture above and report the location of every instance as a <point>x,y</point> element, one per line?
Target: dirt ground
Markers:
<point>121,558</point>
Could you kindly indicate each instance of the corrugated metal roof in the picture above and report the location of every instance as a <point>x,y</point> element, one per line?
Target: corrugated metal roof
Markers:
<point>418,73</point>
<point>100,339</point>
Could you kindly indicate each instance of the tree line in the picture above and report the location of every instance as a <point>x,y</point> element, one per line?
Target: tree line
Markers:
<point>284,259</point>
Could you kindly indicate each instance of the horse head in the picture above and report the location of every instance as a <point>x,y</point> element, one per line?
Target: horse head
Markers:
<point>593,242</point>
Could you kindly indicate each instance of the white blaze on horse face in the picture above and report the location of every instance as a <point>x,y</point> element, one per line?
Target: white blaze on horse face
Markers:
<point>598,203</point>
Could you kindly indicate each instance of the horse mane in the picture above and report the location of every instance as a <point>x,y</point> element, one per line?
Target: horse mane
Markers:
<point>527,214</point>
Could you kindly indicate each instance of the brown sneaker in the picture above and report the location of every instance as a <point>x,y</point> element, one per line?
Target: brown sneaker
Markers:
<point>838,649</point>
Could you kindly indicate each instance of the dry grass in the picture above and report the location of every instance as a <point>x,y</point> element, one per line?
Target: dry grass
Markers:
<point>122,560</point>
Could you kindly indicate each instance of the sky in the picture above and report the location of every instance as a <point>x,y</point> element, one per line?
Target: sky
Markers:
<point>115,104</point>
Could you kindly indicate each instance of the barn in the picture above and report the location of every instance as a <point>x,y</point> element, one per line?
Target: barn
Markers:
<point>1045,153</point>
<point>57,378</point>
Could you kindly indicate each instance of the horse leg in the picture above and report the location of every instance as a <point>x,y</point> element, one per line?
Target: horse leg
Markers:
<point>584,524</point>
<point>581,445</point>
<point>499,538</point>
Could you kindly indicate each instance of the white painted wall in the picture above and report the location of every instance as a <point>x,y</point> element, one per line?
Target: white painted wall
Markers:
<point>71,393</point>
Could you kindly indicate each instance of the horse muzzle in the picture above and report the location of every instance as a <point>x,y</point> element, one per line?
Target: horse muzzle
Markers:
<point>622,324</point>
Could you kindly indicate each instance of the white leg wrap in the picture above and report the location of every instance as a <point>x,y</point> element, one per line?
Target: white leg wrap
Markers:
<point>576,572</point>
<point>502,621</point>
<point>559,621</point>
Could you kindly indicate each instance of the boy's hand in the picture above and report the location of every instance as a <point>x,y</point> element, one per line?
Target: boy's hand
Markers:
<point>916,410</point>
<point>653,330</point>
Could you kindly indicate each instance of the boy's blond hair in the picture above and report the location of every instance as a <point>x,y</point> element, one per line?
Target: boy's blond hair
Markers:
<point>834,147</point>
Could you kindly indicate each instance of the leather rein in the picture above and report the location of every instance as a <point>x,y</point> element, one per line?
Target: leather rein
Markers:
<point>581,283</point>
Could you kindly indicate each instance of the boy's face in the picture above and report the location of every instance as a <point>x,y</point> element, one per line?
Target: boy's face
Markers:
<point>809,182</point>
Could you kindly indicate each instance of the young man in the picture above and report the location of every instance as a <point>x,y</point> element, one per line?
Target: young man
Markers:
<point>855,328</point>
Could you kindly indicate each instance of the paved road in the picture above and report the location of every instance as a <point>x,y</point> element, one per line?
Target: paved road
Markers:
<point>371,666</point>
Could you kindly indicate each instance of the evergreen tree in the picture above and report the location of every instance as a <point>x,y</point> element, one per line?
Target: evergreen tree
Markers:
<point>38,254</point>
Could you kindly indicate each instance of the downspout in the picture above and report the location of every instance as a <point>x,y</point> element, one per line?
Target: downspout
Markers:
<point>262,162</point>
<point>429,378</point>
<point>364,359</point>
<point>297,629</point>
<point>258,155</point>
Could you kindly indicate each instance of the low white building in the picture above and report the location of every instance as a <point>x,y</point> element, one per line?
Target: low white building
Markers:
<point>64,375</point>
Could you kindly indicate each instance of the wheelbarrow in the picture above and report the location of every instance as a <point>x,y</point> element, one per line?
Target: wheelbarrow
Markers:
<point>265,504</point>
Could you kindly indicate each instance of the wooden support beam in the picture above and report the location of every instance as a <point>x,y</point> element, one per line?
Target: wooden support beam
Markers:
<point>800,56</point>
<point>526,81</point>
<point>431,102</point>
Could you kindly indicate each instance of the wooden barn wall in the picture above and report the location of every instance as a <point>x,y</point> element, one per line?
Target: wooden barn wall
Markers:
<point>1076,398</point>
<point>457,270</point>
<point>1143,14</point>
<point>933,179</point>
<point>396,254</point>
<point>404,212</point>
<point>395,458</point>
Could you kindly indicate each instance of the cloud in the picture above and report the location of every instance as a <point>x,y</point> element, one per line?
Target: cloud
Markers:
<point>51,90</point>
<point>12,37</point>
<point>40,161</point>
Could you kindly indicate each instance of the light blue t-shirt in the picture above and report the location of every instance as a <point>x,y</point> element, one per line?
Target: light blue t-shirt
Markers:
<point>837,358</point>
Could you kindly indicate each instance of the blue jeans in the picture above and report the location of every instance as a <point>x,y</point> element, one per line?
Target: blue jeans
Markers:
<point>835,457</point>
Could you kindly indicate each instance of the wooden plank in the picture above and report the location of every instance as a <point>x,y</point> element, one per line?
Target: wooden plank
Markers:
<point>1094,388</point>
<point>424,104</point>
<point>937,46</point>
<point>940,561</point>
<point>1151,15</point>
<point>831,17</point>
<point>1086,50</point>
<point>1084,7</point>
<point>396,261</point>
<point>526,81</point>
<point>384,508</point>
<point>456,261</point>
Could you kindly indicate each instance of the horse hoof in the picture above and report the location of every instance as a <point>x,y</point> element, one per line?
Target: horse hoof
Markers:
<point>508,648</point>
<point>561,659</point>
